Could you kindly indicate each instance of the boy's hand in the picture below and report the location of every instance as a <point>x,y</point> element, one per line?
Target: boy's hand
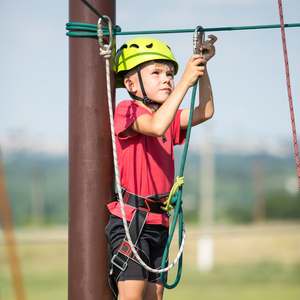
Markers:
<point>194,69</point>
<point>196,65</point>
<point>208,47</point>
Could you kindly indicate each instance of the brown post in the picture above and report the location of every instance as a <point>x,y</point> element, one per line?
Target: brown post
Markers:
<point>91,177</point>
<point>9,237</point>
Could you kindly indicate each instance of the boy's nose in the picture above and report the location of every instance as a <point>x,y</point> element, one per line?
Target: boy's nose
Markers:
<point>166,78</point>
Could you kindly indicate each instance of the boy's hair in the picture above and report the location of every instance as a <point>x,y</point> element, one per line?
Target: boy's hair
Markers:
<point>158,62</point>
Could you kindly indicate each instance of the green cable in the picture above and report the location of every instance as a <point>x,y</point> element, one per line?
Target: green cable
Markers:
<point>92,28</point>
<point>82,27</point>
<point>177,203</point>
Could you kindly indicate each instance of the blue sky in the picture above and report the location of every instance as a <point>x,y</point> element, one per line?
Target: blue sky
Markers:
<point>247,73</point>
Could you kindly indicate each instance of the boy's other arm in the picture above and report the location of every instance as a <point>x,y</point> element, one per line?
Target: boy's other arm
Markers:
<point>205,109</point>
<point>157,124</point>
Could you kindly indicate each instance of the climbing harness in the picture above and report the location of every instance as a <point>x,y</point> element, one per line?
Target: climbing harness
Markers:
<point>174,200</point>
<point>143,206</point>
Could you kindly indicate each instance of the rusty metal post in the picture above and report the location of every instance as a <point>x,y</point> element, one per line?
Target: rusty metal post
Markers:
<point>91,177</point>
<point>9,237</point>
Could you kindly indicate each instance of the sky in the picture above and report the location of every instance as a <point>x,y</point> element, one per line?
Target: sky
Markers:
<point>247,72</point>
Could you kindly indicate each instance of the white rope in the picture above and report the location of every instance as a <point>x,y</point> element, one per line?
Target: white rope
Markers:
<point>105,51</point>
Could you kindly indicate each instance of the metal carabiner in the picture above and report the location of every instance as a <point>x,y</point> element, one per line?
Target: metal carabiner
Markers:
<point>100,33</point>
<point>198,33</point>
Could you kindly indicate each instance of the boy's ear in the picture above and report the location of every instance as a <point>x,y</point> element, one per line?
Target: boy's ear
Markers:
<point>130,85</point>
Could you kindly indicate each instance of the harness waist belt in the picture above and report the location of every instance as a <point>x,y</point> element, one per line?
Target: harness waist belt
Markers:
<point>151,204</point>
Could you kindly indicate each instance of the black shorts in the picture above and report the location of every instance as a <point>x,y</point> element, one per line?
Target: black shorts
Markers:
<point>152,241</point>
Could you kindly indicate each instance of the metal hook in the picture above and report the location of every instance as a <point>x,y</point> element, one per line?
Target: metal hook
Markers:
<point>100,32</point>
<point>198,32</point>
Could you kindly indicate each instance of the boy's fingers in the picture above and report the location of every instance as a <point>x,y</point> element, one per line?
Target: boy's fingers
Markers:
<point>200,61</point>
<point>213,38</point>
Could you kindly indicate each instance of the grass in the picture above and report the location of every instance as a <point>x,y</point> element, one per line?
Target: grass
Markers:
<point>43,258</point>
<point>265,281</point>
<point>251,263</point>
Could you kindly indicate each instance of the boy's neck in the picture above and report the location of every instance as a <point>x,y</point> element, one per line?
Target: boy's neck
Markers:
<point>148,106</point>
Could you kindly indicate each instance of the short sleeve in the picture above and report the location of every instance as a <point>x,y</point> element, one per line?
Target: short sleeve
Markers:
<point>126,113</point>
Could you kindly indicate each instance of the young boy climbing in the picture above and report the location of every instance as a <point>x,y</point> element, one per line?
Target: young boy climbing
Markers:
<point>146,130</point>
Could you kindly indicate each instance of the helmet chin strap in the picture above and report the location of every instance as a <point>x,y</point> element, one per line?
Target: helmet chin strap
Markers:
<point>145,98</point>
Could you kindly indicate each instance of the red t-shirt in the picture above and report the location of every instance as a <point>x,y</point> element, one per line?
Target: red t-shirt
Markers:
<point>146,164</point>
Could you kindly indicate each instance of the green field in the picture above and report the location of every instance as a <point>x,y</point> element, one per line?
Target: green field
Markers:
<point>250,263</point>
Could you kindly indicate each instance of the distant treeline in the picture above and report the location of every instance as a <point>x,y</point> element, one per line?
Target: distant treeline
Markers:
<point>246,188</point>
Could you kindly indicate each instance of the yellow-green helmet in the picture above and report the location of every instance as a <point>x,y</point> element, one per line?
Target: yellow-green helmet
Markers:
<point>138,51</point>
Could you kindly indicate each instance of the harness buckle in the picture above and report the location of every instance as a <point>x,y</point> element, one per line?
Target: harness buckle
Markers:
<point>123,264</point>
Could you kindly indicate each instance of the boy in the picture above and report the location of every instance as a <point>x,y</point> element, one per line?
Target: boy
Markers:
<point>146,130</point>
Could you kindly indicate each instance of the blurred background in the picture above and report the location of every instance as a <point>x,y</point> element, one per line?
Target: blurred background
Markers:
<point>241,195</point>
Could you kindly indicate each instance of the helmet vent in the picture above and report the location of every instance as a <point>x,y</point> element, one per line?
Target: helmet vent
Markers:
<point>123,47</point>
<point>134,46</point>
<point>149,46</point>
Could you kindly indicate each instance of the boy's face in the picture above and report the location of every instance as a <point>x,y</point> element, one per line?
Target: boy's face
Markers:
<point>158,80</point>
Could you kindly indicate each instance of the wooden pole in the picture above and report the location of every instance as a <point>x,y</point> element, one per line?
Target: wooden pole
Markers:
<point>91,177</point>
<point>9,237</point>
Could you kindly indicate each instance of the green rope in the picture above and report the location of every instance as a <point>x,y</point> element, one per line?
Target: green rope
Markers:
<point>176,202</point>
<point>92,29</point>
